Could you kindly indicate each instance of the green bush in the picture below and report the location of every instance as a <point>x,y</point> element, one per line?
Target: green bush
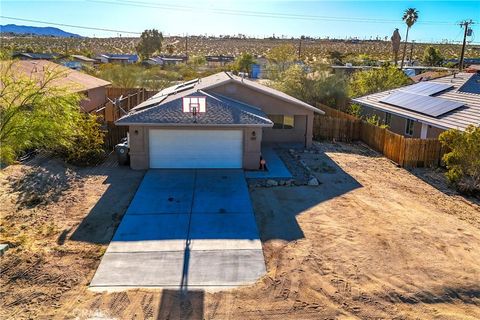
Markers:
<point>316,86</point>
<point>86,148</point>
<point>376,80</point>
<point>463,159</point>
<point>34,113</point>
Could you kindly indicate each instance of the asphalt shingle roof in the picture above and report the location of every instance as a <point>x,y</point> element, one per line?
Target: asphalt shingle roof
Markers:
<point>219,111</point>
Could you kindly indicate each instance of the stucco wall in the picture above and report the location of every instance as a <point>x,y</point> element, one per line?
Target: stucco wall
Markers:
<point>397,123</point>
<point>139,145</point>
<point>93,98</point>
<point>303,118</point>
<point>433,132</point>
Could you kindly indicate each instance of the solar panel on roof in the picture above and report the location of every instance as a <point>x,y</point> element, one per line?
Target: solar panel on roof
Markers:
<point>188,83</point>
<point>427,88</point>
<point>472,85</point>
<point>430,106</point>
<point>183,88</point>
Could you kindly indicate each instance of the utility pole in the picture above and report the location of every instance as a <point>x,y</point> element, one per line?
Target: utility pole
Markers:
<point>300,49</point>
<point>466,25</point>
<point>186,46</point>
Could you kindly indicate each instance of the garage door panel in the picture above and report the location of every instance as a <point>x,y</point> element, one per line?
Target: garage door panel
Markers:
<point>195,148</point>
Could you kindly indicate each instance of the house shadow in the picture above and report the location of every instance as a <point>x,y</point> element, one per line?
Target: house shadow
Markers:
<point>465,295</point>
<point>277,209</point>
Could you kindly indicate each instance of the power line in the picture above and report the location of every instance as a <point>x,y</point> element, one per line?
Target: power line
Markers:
<point>69,25</point>
<point>261,14</point>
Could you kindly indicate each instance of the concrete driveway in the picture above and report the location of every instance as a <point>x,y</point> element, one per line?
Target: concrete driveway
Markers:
<point>185,229</point>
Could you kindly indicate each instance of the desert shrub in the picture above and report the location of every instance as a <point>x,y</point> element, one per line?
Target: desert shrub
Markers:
<point>375,120</point>
<point>355,110</point>
<point>244,63</point>
<point>376,80</point>
<point>432,56</point>
<point>34,113</point>
<point>86,148</point>
<point>463,159</point>
<point>316,86</point>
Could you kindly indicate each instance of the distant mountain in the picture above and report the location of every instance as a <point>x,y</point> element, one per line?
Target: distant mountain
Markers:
<point>38,31</point>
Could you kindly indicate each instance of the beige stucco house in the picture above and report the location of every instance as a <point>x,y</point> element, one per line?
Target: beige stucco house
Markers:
<point>93,90</point>
<point>232,118</point>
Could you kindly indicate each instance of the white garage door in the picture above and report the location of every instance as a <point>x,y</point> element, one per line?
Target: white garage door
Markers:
<point>195,148</point>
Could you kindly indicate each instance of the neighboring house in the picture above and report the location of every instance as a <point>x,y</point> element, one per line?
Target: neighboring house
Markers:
<point>233,117</point>
<point>429,75</point>
<point>84,61</point>
<point>36,56</point>
<point>218,61</point>
<point>118,58</point>
<point>348,69</point>
<point>92,88</point>
<point>473,68</point>
<point>466,61</point>
<point>426,109</point>
<point>75,65</point>
<point>166,60</point>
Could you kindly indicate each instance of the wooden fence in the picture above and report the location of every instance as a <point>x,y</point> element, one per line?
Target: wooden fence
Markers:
<point>407,152</point>
<point>120,102</point>
<point>113,135</point>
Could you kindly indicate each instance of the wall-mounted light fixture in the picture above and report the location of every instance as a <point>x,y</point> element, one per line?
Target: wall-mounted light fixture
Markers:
<point>253,136</point>
<point>136,131</point>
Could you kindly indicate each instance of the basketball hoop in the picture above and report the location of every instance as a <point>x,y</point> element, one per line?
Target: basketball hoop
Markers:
<point>195,105</point>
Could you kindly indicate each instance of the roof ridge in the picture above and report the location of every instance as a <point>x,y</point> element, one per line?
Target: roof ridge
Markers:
<point>251,114</point>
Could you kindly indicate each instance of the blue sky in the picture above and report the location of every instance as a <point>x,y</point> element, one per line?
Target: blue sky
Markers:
<point>336,19</point>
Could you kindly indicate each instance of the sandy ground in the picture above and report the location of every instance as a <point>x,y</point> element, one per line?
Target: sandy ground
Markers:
<point>373,241</point>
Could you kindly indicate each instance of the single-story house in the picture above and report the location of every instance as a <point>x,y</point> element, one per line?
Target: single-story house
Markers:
<point>218,61</point>
<point>219,121</point>
<point>117,58</point>
<point>94,89</point>
<point>84,61</point>
<point>36,56</point>
<point>426,109</point>
<point>166,60</point>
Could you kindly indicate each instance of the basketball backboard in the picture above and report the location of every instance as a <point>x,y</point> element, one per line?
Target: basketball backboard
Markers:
<point>195,104</point>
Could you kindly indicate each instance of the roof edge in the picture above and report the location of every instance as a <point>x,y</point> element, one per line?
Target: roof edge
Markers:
<point>152,124</point>
<point>296,101</point>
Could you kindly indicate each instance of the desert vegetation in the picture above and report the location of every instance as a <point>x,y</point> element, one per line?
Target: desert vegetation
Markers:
<point>463,159</point>
<point>41,114</point>
<point>311,49</point>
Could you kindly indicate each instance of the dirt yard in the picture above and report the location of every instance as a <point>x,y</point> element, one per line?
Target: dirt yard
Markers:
<point>373,241</point>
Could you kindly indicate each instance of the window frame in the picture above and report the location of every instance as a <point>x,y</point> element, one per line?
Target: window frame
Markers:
<point>409,127</point>
<point>283,124</point>
<point>388,118</point>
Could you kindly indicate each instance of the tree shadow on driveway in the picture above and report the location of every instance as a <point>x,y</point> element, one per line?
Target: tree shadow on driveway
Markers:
<point>101,222</point>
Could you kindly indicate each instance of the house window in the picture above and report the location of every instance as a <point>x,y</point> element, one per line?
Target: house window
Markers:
<point>388,118</point>
<point>409,127</point>
<point>281,121</point>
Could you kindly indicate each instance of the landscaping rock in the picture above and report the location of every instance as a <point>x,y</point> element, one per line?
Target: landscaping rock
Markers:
<point>3,249</point>
<point>272,183</point>
<point>313,182</point>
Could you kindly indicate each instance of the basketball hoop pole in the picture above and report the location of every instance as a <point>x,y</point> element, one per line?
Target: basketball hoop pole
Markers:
<point>194,113</point>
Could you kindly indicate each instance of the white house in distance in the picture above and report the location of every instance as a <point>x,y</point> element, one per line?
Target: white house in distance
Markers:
<point>426,109</point>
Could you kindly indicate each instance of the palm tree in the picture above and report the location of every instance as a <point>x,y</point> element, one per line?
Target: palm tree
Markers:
<point>410,16</point>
